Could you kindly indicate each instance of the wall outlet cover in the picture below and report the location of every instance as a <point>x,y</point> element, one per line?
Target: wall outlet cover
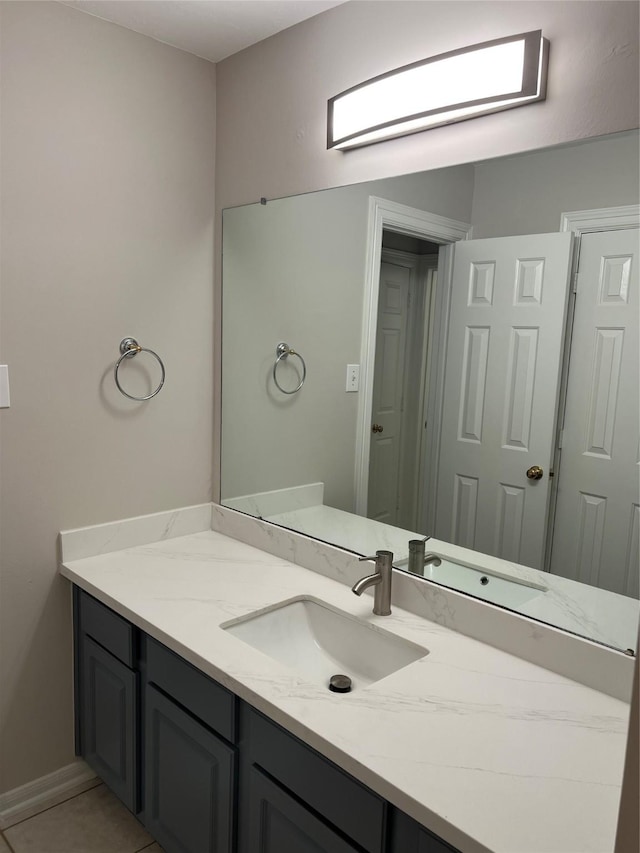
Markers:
<point>353,377</point>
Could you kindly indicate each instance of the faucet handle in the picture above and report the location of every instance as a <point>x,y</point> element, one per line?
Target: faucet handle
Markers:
<point>380,555</point>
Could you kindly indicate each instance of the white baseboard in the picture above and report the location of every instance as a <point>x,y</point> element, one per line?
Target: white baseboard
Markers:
<point>42,793</point>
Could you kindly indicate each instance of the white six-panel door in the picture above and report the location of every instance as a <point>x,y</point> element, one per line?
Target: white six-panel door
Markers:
<point>506,330</point>
<point>598,506</point>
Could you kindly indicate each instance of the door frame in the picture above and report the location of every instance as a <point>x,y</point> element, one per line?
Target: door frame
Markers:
<point>389,215</point>
<point>579,222</point>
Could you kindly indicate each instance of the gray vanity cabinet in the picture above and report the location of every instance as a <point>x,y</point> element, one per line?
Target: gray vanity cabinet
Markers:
<point>278,822</point>
<point>206,772</point>
<point>166,748</point>
<point>107,696</point>
<point>407,836</point>
<point>189,757</point>
<point>189,780</point>
<point>291,795</point>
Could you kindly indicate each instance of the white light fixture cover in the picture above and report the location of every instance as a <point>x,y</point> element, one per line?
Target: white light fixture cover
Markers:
<point>484,78</point>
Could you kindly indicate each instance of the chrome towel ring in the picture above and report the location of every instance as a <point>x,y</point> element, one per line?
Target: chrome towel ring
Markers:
<point>129,348</point>
<point>283,351</point>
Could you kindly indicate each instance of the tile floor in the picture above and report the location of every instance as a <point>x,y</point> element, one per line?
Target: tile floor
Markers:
<point>94,821</point>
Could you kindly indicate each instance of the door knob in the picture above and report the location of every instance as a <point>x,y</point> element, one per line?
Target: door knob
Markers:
<point>535,472</point>
<point>377,428</point>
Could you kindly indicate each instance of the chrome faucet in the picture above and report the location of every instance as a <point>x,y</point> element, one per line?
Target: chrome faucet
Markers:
<point>381,579</point>
<point>417,557</point>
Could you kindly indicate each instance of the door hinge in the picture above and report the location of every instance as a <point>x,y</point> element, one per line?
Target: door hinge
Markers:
<point>574,288</point>
<point>560,439</point>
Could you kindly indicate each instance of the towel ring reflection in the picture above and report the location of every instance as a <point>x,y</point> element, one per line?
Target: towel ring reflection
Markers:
<point>129,348</point>
<point>283,351</point>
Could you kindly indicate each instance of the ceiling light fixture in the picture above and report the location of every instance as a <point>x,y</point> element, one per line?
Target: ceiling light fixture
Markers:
<point>473,81</point>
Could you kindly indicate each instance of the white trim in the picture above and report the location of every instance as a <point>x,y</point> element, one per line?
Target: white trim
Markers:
<point>401,258</point>
<point>44,792</point>
<point>415,223</point>
<point>600,219</point>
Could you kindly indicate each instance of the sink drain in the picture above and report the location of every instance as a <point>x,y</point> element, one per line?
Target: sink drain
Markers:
<point>340,684</point>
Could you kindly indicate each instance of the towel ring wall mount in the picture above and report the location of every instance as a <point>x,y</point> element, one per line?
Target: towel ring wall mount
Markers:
<point>130,348</point>
<point>283,351</point>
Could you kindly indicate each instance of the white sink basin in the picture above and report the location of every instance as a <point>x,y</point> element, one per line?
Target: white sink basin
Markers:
<point>318,642</point>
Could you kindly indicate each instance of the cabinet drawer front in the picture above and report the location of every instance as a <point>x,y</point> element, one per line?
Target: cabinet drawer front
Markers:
<point>203,697</point>
<point>277,823</point>
<point>107,628</point>
<point>348,805</point>
<point>108,721</point>
<point>189,781</point>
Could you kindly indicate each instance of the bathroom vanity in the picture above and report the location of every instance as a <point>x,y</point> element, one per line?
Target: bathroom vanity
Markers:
<point>217,745</point>
<point>202,768</point>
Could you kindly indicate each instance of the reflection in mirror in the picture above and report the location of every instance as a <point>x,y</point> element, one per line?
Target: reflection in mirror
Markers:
<point>471,376</point>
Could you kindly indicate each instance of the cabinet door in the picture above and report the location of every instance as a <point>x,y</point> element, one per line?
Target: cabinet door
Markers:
<point>355,811</point>
<point>108,720</point>
<point>407,836</point>
<point>189,781</point>
<point>278,823</point>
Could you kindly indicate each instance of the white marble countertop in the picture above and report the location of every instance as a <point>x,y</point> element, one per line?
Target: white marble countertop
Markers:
<point>488,751</point>
<point>598,614</point>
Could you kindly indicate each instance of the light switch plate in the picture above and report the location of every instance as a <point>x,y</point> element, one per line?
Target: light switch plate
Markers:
<point>4,386</point>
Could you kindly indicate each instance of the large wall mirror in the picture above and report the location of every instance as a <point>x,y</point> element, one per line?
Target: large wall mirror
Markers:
<point>453,355</point>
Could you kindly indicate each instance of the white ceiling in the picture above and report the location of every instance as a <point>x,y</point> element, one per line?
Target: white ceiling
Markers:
<point>211,29</point>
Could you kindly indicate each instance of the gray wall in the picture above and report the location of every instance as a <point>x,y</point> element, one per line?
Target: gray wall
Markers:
<point>107,230</point>
<point>272,97</point>
<point>294,272</point>
<point>528,193</point>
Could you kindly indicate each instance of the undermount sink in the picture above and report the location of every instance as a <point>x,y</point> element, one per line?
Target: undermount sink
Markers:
<point>318,642</point>
<point>481,583</point>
